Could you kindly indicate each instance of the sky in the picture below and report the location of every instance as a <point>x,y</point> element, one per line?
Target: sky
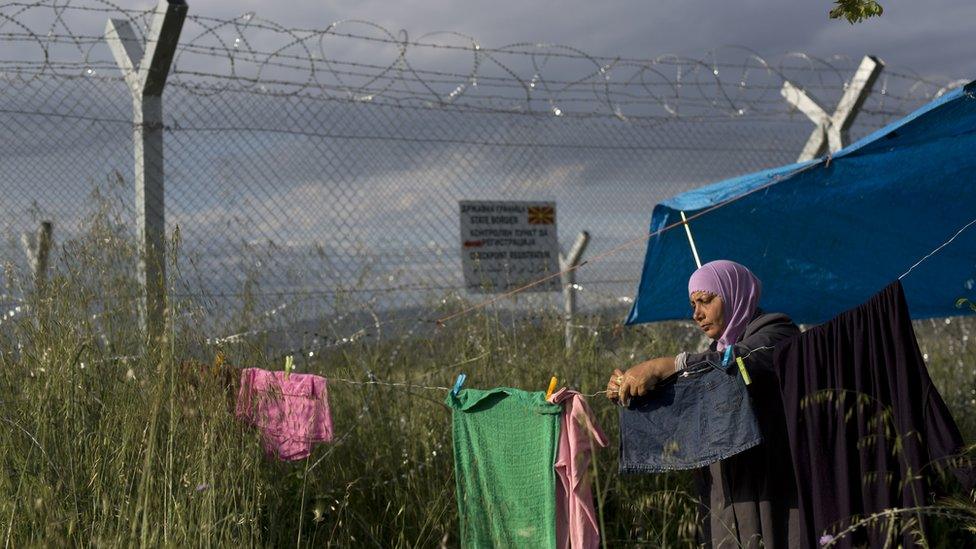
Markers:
<point>304,188</point>
<point>931,37</point>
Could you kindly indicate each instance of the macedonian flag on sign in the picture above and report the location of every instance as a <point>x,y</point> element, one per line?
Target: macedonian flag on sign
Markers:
<point>542,215</point>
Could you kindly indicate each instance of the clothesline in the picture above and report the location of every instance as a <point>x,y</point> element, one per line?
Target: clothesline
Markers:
<point>410,385</point>
<point>933,252</point>
<point>704,361</point>
<point>388,384</point>
<point>375,381</point>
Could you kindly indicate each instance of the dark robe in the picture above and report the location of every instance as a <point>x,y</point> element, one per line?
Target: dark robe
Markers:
<point>868,428</point>
<point>749,500</point>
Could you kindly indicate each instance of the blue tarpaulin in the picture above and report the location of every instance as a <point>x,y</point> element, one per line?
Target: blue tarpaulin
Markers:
<point>825,235</point>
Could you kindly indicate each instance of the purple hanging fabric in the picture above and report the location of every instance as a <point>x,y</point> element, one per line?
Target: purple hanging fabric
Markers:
<point>868,430</point>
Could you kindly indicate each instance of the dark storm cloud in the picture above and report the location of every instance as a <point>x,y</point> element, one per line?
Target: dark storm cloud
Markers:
<point>931,37</point>
<point>372,181</point>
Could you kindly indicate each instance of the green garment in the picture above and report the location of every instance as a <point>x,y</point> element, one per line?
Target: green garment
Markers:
<point>504,451</point>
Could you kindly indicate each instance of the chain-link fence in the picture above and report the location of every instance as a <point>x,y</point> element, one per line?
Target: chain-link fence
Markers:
<point>317,170</point>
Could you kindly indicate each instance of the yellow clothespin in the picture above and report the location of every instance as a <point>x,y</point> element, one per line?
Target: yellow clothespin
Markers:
<point>289,365</point>
<point>219,359</point>
<point>742,370</point>
<point>552,387</point>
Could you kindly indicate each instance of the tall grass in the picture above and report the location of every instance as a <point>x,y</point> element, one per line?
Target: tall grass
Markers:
<point>104,443</point>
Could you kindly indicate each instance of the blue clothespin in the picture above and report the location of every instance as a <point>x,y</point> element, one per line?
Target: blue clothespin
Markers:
<point>457,384</point>
<point>727,357</point>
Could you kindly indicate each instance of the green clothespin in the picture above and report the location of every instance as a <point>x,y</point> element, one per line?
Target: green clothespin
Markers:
<point>289,365</point>
<point>742,370</point>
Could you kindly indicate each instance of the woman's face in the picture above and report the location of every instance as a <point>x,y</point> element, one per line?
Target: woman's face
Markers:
<point>708,314</point>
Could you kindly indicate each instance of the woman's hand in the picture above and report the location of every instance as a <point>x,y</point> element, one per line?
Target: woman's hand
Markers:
<point>639,379</point>
<point>613,386</point>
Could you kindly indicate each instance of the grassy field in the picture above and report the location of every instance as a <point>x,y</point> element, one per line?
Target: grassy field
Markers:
<point>101,450</point>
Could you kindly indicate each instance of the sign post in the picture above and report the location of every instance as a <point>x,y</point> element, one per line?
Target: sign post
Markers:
<point>567,265</point>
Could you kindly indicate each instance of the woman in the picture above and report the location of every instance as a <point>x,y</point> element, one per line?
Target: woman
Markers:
<point>750,498</point>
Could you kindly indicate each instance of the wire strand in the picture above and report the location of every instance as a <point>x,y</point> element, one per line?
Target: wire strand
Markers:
<point>937,249</point>
<point>623,246</point>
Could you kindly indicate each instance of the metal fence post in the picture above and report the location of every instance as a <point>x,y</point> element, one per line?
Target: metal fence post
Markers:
<point>570,261</point>
<point>145,74</point>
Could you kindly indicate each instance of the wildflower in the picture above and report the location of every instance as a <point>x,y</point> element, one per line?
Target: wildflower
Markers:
<point>319,510</point>
<point>202,486</point>
<point>826,539</point>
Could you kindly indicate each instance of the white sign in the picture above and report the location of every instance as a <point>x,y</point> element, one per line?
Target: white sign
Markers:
<point>506,245</point>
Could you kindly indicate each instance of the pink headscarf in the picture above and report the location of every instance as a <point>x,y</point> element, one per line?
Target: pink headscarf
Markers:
<point>739,290</point>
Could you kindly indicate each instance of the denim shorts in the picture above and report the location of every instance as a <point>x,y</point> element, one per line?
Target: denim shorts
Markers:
<point>690,420</point>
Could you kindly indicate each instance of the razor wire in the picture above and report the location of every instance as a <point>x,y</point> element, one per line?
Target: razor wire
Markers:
<point>313,175</point>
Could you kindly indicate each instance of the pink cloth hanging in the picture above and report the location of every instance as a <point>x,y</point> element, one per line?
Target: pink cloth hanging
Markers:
<point>292,414</point>
<point>576,522</point>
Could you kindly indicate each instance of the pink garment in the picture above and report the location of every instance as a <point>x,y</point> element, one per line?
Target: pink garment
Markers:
<point>576,523</point>
<point>291,413</point>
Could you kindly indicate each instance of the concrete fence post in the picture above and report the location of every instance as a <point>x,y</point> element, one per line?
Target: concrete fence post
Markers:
<point>145,69</point>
